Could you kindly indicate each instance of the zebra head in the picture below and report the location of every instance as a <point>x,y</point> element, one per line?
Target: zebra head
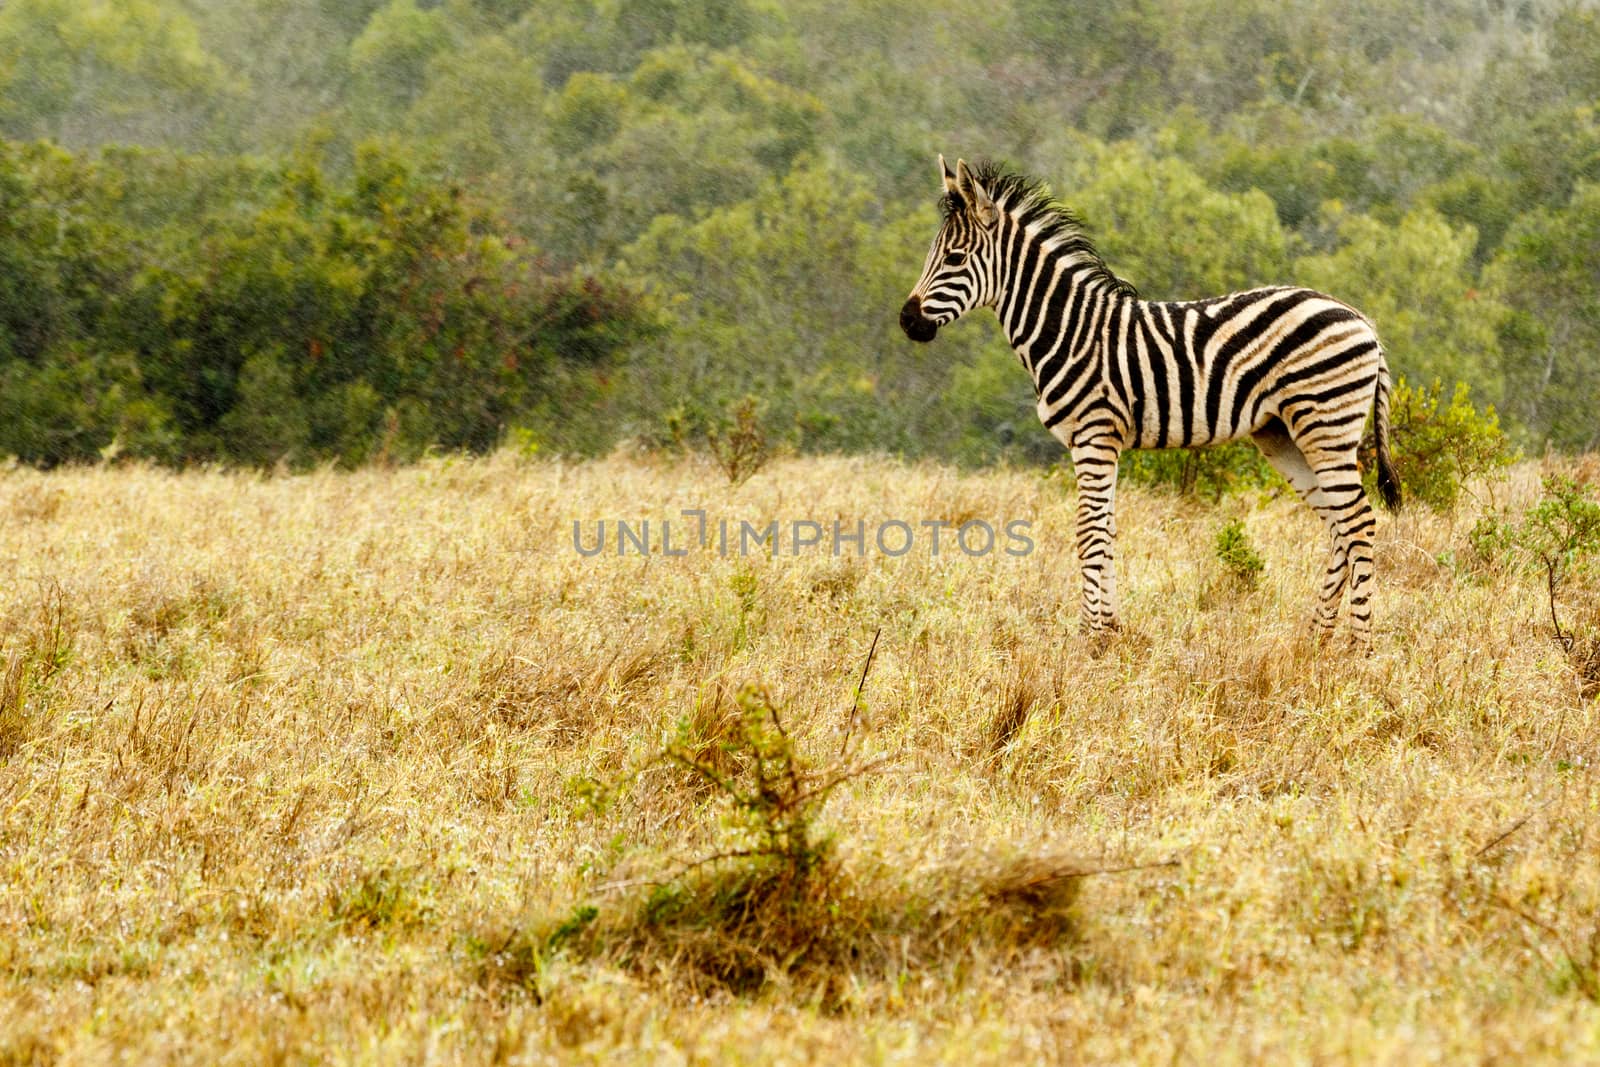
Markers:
<point>957,276</point>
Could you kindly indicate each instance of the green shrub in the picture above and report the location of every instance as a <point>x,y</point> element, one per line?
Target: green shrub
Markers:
<point>772,795</point>
<point>76,406</point>
<point>1559,532</point>
<point>1554,537</point>
<point>735,436</point>
<point>1239,558</point>
<point>1492,540</point>
<point>1439,444</point>
<point>1209,473</point>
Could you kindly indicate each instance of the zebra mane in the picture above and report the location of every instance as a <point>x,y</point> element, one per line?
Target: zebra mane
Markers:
<point>1030,201</point>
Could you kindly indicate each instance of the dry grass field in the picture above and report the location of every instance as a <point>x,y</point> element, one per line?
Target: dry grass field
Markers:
<point>367,767</point>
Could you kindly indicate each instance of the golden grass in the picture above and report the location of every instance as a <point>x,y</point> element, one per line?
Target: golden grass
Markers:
<point>326,768</point>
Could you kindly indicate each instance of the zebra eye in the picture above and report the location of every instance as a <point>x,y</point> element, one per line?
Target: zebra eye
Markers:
<point>954,259</point>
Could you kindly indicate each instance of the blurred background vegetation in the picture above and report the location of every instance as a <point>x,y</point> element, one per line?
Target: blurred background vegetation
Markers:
<point>299,230</point>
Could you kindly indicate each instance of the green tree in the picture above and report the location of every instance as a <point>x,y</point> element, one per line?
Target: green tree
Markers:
<point>84,73</point>
<point>74,404</point>
<point>483,111</point>
<point>1415,281</point>
<point>190,309</point>
<point>1548,271</point>
<point>30,302</point>
<point>390,57</point>
<point>1167,231</point>
<point>691,130</point>
<point>792,297</point>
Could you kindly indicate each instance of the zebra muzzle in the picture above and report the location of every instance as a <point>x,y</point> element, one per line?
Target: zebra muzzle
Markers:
<point>916,327</point>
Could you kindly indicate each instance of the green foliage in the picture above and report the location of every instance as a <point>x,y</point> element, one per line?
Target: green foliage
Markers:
<point>1299,178</point>
<point>1492,540</point>
<point>772,795</point>
<point>1545,272</point>
<point>718,23</point>
<point>1168,232</point>
<point>395,46</point>
<point>138,65</point>
<point>815,284</point>
<point>1438,445</point>
<point>739,442</point>
<point>1209,473</point>
<point>381,899</point>
<point>1485,202</point>
<point>766,170</point>
<point>1415,281</point>
<point>1118,48</point>
<point>991,404</point>
<point>743,584</point>
<point>587,112</point>
<point>1559,532</point>
<point>75,405</point>
<point>1556,536</point>
<point>297,318</point>
<point>484,109</point>
<point>580,919</point>
<point>1239,558</point>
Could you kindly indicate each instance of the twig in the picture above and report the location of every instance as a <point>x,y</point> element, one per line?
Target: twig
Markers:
<point>1550,565</point>
<point>855,704</point>
<point>788,746</point>
<point>1513,828</point>
<point>734,854</point>
<point>837,779</point>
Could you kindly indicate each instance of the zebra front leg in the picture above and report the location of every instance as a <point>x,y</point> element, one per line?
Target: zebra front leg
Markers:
<point>1096,469</point>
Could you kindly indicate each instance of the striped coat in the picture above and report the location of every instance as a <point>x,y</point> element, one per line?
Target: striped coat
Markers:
<point>1292,369</point>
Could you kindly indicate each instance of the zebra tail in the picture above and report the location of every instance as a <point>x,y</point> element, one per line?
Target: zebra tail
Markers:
<point>1388,480</point>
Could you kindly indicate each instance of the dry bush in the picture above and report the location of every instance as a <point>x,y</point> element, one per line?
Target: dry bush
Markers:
<point>848,921</point>
<point>781,906</point>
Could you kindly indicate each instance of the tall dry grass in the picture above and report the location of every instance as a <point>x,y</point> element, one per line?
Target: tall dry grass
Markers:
<point>360,767</point>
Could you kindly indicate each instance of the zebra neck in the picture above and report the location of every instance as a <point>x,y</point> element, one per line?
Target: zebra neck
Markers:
<point>1053,308</point>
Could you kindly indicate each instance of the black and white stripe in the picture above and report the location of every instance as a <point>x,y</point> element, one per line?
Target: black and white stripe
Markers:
<point>1292,369</point>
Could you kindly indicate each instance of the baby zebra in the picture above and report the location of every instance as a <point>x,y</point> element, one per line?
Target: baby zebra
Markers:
<point>1292,369</point>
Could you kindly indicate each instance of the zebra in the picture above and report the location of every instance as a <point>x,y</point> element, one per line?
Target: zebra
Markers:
<point>1292,369</point>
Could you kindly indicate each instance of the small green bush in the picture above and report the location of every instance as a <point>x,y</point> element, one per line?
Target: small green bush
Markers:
<point>772,794</point>
<point>1238,556</point>
<point>1439,444</point>
<point>734,435</point>
<point>1555,536</point>
<point>1559,533</point>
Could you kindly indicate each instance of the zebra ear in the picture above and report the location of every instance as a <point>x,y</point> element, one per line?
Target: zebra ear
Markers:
<point>948,175</point>
<point>974,194</point>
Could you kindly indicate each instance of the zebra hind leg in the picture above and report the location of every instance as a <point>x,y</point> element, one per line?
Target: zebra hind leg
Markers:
<point>1352,523</point>
<point>1286,458</point>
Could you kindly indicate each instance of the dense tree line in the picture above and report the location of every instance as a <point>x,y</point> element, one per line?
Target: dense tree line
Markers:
<point>261,231</point>
<point>199,308</point>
